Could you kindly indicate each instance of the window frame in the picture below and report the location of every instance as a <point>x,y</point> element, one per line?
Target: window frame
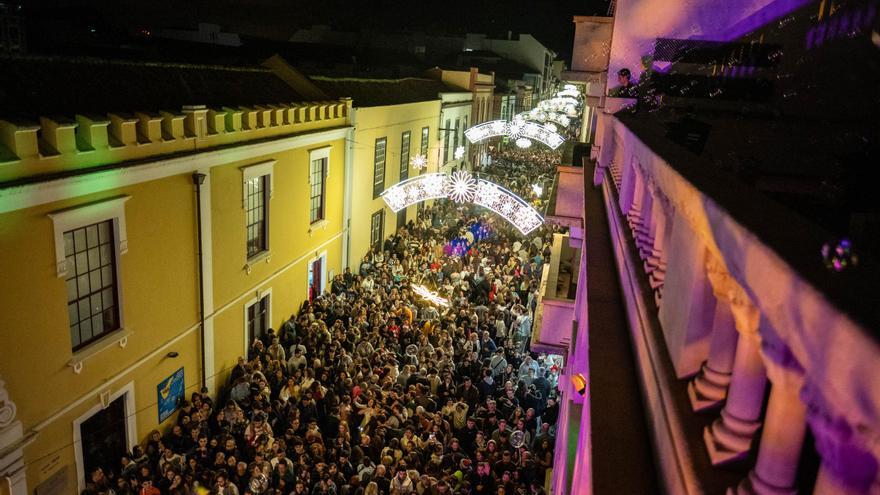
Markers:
<point>111,264</point>
<point>405,137</point>
<point>376,240</point>
<point>259,170</point>
<point>69,219</point>
<point>322,195</point>
<point>379,185</point>
<point>262,294</point>
<point>446,153</point>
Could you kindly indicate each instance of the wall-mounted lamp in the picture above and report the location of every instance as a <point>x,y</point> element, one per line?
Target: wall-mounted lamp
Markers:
<point>580,383</point>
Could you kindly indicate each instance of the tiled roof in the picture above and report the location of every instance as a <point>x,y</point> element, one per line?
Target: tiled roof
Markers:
<point>377,92</point>
<point>33,86</point>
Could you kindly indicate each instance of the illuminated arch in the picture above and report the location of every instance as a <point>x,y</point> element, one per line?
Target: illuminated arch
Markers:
<point>514,130</point>
<point>480,192</point>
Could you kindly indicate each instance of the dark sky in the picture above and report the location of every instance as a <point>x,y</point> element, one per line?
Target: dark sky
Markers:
<point>547,20</point>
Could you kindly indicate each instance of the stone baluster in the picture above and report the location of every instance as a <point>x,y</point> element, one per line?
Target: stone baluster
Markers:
<point>709,388</point>
<point>729,438</point>
<point>849,466</point>
<point>785,426</point>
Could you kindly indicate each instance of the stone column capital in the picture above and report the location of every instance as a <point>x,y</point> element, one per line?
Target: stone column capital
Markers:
<point>849,452</point>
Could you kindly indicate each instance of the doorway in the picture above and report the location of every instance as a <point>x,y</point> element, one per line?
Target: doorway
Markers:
<point>317,279</point>
<point>104,434</point>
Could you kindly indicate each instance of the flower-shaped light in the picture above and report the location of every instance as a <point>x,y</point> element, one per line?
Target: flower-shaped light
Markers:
<point>461,186</point>
<point>515,129</point>
<point>459,152</point>
<point>523,142</point>
<point>419,162</point>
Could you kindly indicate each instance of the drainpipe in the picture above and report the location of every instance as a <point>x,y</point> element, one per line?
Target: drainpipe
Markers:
<point>198,180</point>
<point>347,191</point>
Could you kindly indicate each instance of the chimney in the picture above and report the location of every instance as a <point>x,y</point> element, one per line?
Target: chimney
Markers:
<point>195,122</point>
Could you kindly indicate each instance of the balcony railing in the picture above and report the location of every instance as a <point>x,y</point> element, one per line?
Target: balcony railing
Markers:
<point>552,327</point>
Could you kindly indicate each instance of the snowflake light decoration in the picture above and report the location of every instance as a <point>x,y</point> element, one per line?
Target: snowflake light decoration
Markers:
<point>459,152</point>
<point>429,295</point>
<point>419,162</point>
<point>461,186</point>
<point>523,142</point>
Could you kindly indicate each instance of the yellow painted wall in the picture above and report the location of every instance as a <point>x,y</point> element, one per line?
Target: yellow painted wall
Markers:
<point>388,121</point>
<point>36,344</point>
<point>291,243</point>
<point>158,279</point>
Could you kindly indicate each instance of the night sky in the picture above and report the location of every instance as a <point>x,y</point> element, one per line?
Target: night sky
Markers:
<point>548,20</point>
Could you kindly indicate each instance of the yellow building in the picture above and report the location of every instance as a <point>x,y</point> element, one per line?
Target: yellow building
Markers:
<point>105,219</point>
<point>395,121</point>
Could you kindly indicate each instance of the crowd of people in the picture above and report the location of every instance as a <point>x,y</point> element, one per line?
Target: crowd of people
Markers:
<point>370,389</point>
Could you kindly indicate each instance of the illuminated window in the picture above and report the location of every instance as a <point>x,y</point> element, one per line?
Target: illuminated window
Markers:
<point>447,153</point>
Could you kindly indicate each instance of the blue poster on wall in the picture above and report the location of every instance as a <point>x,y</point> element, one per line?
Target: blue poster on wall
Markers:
<point>170,393</point>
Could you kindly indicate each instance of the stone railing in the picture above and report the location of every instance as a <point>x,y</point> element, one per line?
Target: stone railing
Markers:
<point>552,326</point>
<point>57,144</point>
<point>735,317</point>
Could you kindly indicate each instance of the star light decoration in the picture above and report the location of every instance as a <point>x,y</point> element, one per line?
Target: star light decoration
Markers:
<point>419,162</point>
<point>461,186</point>
<point>429,295</point>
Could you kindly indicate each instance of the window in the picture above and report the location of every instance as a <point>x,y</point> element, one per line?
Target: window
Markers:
<point>404,155</point>
<point>257,318</point>
<point>257,212</point>
<point>455,136</point>
<point>88,242</point>
<point>464,142</point>
<point>379,167</point>
<point>446,153</point>
<point>376,227</point>
<point>423,146</point>
<point>317,176</point>
<point>92,303</point>
<point>256,193</point>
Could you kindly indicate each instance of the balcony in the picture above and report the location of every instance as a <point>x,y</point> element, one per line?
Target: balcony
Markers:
<point>552,327</point>
<point>566,205</point>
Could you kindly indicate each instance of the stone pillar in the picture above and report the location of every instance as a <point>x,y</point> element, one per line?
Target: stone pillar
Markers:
<point>12,443</point>
<point>785,426</point>
<point>709,388</point>
<point>849,466</point>
<point>730,436</point>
